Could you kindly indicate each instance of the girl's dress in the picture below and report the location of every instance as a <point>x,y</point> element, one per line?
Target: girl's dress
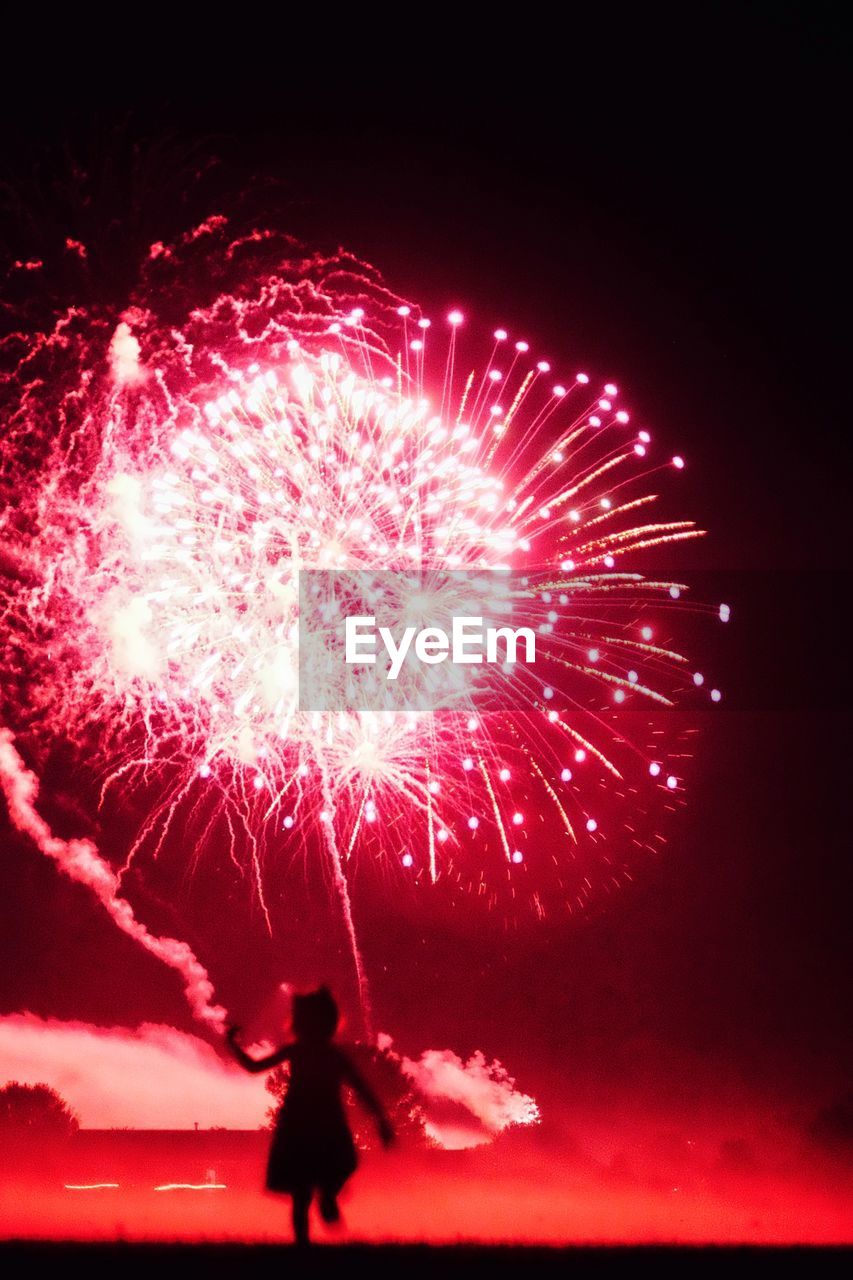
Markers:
<point>312,1145</point>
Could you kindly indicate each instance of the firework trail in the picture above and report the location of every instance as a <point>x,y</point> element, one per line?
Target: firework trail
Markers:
<point>256,412</point>
<point>80,861</point>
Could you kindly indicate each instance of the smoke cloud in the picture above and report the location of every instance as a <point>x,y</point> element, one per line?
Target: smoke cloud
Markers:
<point>466,1104</point>
<point>156,1077</point>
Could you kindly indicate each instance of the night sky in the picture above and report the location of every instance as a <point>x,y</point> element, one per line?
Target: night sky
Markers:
<point>664,202</point>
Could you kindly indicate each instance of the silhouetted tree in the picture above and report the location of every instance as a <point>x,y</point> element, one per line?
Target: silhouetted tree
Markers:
<point>35,1110</point>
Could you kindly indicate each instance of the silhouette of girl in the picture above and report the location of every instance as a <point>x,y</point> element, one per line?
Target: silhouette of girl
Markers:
<point>312,1148</point>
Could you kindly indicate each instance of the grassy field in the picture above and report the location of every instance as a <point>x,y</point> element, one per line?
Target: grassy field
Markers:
<point>407,1261</point>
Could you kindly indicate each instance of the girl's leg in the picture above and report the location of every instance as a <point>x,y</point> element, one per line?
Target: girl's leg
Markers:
<point>301,1205</point>
<point>329,1209</point>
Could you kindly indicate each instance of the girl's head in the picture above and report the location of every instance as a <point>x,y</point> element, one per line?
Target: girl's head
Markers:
<point>315,1015</point>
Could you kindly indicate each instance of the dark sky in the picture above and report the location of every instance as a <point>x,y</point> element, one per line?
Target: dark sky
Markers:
<point>666,200</point>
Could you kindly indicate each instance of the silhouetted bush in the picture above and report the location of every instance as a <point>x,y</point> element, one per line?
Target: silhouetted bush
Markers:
<point>35,1111</point>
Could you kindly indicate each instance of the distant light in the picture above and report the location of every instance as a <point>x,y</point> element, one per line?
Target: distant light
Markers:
<point>205,771</point>
<point>591,825</point>
<point>725,613</point>
<point>455,317</point>
<point>443,835</point>
<point>594,655</point>
<point>90,1186</point>
<point>678,461</point>
<point>468,763</point>
<point>566,775</point>
<point>633,677</point>
<point>404,311</point>
<point>646,633</point>
<point>654,769</point>
<point>504,775</point>
<point>698,679</point>
<point>424,324</point>
<point>674,592</point>
<point>500,335</point>
<point>192,1186</point>
<point>611,389</point>
<point>559,390</point>
<point>522,346</point>
<point>623,417</point>
<point>473,724</point>
<point>517,819</point>
<point>672,782</point>
<point>580,755</point>
<point>473,823</point>
<point>407,859</point>
<point>582,378</point>
<point>548,692</point>
<point>568,565</point>
<point>645,437</point>
<point>288,822</point>
<point>716,696</point>
<point>619,695</point>
<point>517,856</point>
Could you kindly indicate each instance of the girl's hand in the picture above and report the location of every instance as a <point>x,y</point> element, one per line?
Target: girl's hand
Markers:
<point>386,1132</point>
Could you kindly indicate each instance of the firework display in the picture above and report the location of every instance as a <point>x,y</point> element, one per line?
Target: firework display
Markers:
<point>255,413</point>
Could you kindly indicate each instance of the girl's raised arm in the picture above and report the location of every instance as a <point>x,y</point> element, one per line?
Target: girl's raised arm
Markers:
<point>256,1065</point>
